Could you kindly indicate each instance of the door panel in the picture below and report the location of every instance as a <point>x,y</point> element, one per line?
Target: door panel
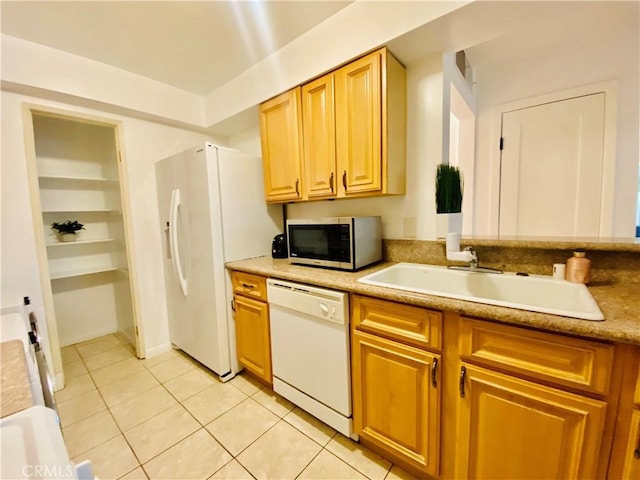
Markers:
<point>281,136</point>
<point>396,406</point>
<point>539,431</point>
<point>319,127</point>
<point>358,125</point>
<point>551,168</point>
<point>252,336</point>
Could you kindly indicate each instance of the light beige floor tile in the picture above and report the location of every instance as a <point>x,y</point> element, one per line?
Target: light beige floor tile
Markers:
<point>107,357</point>
<point>75,386</point>
<point>172,368</point>
<point>310,426</point>
<point>161,432</point>
<point>197,456</point>
<point>69,354</point>
<point>359,457</point>
<point>242,425</point>
<point>246,384</point>
<point>329,467</point>
<point>190,383</point>
<point>213,401</point>
<point>127,388</point>
<point>99,345</point>
<point>116,371</point>
<point>111,459</point>
<point>232,470</point>
<point>88,433</point>
<point>74,369</point>
<point>142,407</point>
<point>159,358</point>
<point>398,473</point>
<point>283,452</point>
<point>80,407</point>
<point>274,402</point>
<point>137,474</point>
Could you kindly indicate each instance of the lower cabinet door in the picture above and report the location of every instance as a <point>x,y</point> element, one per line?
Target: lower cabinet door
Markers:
<point>632,457</point>
<point>396,400</point>
<point>510,428</point>
<point>252,336</point>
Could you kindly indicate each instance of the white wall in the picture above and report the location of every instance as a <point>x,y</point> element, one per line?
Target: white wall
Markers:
<point>581,62</point>
<point>143,144</point>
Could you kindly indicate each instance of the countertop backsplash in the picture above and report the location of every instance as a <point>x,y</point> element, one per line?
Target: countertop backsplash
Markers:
<point>610,261</point>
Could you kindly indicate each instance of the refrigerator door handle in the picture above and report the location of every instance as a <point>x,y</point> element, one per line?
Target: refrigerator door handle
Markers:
<point>173,234</point>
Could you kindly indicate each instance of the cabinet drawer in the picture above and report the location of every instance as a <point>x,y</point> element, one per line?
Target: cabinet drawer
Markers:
<point>249,285</point>
<point>573,362</point>
<point>418,326</point>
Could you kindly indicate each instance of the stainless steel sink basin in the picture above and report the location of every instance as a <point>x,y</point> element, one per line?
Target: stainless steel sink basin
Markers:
<point>537,293</point>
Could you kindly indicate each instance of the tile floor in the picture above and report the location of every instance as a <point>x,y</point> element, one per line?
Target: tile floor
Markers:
<point>168,417</point>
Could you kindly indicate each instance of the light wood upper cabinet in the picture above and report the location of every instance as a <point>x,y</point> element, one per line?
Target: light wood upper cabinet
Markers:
<point>318,126</point>
<point>344,132</point>
<point>371,125</point>
<point>512,428</point>
<point>281,138</point>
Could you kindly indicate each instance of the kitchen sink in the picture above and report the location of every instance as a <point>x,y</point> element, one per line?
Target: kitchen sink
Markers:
<point>537,293</point>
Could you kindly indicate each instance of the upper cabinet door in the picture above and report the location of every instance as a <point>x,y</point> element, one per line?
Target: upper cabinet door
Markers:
<point>358,125</point>
<point>319,127</point>
<point>281,137</point>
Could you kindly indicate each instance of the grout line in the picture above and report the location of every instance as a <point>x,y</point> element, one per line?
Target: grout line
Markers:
<point>203,426</point>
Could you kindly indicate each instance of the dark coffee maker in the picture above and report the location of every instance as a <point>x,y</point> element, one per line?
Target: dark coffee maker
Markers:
<point>279,246</point>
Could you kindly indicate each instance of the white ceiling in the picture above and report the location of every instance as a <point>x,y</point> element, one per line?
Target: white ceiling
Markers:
<point>193,45</point>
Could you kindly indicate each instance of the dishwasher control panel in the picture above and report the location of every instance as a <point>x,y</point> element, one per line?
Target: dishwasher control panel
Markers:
<point>321,303</point>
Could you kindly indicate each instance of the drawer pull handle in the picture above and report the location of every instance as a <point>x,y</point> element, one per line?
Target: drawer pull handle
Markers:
<point>463,373</point>
<point>331,182</point>
<point>297,186</point>
<point>434,373</point>
<point>344,180</point>
<point>247,285</point>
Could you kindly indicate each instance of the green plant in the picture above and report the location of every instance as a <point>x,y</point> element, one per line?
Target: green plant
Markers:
<point>449,189</point>
<point>67,227</point>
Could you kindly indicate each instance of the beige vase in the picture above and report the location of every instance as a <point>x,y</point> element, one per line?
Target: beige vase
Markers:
<point>68,237</point>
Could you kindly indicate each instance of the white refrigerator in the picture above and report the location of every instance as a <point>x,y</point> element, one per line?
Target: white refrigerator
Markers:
<point>212,210</point>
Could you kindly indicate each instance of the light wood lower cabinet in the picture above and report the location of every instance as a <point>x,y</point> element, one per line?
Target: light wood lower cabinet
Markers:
<point>251,315</point>
<point>396,401</point>
<point>510,428</point>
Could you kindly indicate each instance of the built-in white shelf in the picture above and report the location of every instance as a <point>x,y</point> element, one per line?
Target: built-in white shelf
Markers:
<point>81,242</point>
<point>88,210</point>
<point>70,178</point>
<point>82,271</point>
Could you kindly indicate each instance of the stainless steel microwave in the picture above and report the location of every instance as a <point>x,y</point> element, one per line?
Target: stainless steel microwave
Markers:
<point>344,243</point>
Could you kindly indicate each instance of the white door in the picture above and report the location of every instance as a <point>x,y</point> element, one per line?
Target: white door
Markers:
<point>552,168</point>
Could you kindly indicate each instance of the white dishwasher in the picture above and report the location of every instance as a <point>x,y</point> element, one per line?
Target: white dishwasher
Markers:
<point>310,350</point>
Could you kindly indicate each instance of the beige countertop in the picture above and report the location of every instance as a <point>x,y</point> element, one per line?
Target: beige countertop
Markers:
<point>15,391</point>
<point>620,303</point>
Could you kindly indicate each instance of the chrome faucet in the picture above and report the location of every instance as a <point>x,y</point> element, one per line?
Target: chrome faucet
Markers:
<point>473,258</point>
<point>469,254</point>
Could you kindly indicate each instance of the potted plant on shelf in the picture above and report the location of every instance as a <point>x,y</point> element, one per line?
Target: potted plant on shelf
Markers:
<point>449,191</point>
<point>67,230</point>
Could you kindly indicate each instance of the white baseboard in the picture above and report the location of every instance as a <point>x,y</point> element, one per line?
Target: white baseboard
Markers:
<point>153,351</point>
